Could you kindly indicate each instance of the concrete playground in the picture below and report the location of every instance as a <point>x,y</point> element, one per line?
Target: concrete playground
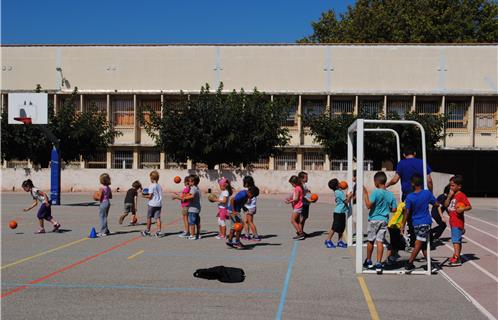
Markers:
<point>125,276</point>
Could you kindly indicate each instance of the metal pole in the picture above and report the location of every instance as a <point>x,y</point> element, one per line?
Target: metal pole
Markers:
<point>350,183</point>
<point>359,196</point>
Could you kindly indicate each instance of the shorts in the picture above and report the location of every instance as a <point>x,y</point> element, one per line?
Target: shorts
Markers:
<point>396,239</point>
<point>306,211</point>
<point>339,223</point>
<point>234,219</point>
<point>129,208</point>
<point>297,210</point>
<point>251,212</point>
<point>377,231</point>
<point>44,212</point>
<point>194,218</point>
<point>422,231</point>
<point>222,222</point>
<point>153,212</point>
<point>184,211</point>
<point>456,235</point>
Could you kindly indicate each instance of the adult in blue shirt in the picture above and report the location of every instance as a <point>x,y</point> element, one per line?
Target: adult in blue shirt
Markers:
<point>405,170</point>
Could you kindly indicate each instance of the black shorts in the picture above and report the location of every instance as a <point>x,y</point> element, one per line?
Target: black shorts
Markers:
<point>306,211</point>
<point>339,223</point>
<point>396,240</point>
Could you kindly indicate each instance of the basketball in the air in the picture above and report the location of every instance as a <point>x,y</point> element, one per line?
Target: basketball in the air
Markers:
<point>13,224</point>
<point>343,185</point>
<point>177,179</point>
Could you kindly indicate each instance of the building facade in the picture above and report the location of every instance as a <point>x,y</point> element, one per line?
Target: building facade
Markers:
<point>460,81</point>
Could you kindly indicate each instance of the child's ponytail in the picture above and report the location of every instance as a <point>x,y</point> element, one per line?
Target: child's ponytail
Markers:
<point>27,184</point>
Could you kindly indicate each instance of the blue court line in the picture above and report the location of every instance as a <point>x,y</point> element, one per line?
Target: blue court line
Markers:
<point>97,286</point>
<point>292,259</point>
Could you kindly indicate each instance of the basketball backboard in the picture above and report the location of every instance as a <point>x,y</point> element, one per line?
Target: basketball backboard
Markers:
<point>28,105</point>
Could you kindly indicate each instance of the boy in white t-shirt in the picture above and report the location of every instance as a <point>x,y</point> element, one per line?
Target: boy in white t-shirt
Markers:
<point>155,196</point>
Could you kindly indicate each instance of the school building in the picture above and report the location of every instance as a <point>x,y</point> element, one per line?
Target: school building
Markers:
<point>460,81</point>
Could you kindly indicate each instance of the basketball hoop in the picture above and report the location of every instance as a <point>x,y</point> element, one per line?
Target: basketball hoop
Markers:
<point>25,120</point>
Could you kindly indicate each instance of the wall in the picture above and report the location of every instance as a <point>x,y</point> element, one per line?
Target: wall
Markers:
<point>268,181</point>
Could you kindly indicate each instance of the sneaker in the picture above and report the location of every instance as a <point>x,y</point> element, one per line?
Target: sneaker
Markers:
<point>229,243</point>
<point>256,238</point>
<point>56,227</point>
<point>368,264</point>
<point>121,218</point>
<point>409,267</point>
<point>391,259</point>
<point>100,234</point>
<point>184,235</point>
<point>220,237</point>
<point>342,244</point>
<point>378,267</point>
<point>238,245</point>
<point>198,237</point>
<point>145,233</point>
<point>329,244</point>
<point>40,231</point>
<point>244,237</point>
<point>455,262</point>
<point>192,237</point>
<point>159,234</point>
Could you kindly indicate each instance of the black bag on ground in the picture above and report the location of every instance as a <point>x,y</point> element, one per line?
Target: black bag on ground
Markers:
<point>222,274</point>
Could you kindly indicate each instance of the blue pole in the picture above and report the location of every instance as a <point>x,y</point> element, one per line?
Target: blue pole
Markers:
<point>55,177</point>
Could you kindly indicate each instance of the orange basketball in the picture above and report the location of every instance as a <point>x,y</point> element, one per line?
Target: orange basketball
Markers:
<point>238,226</point>
<point>343,185</point>
<point>13,224</point>
<point>460,205</point>
<point>177,179</point>
<point>313,197</point>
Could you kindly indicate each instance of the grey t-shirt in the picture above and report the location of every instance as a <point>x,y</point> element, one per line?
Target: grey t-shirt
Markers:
<point>195,202</point>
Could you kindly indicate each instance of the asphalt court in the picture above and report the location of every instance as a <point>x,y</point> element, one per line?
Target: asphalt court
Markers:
<point>125,276</point>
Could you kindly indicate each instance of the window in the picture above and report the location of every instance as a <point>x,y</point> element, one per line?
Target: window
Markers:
<point>69,100</point>
<point>122,159</point>
<point>98,161</point>
<point>314,160</point>
<point>314,107</point>
<point>150,159</point>
<point>457,114</point>
<point>286,161</point>
<point>485,114</point>
<point>291,117</point>
<point>339,165</point>
<point>147,103</point>
<point>97,102</point>
<point>370,107</point>
<point>122,111</point>
<point>342,105</point>
<point>427,105</point>
<point>263,163</point>
<point>399,106</point>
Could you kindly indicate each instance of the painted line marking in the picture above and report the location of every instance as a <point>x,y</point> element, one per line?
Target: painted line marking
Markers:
<point>136,254</point>
<point>480,245</point>
<point>122,244</point>
<point>292,259</point>
<point>368,298</point>
<point>484,232</point>
<point>42,253</point>
<point>480,220</point>
<point>139,287</point>
<point>478,267</point>
<point>467,296</point>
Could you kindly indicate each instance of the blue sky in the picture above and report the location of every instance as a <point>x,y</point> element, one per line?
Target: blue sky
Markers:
<point>167,21</point>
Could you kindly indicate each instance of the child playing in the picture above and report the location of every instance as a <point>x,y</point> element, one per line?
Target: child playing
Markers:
<point>437,215</point>
<point>194,207</point>
<point>457,203</point>
<point>250,210</point>
<point>45,210</point>
<point>297,206</point>
<point>236,205</point>
<point>396,240</point>
<point>130,203</point>
<point>303,178</point>
<point>380,203</point>
<point>105,203</point>
<point>154,205</point>
<point>417,205</point>
<point>184,206</point>
<point>223,202</point>
<point>340,212</point>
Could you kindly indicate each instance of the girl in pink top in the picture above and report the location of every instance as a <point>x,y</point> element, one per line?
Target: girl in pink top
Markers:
<point>184,205</point>
<point>297,206</point>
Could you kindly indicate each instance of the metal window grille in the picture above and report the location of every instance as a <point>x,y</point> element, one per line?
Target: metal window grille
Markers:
<point>291,117</point>
<point>98,102</point>
<point>146,104</point>
<point>286,161</point>
<point>175,102</point>
<point>170,164</point>
<point>63,100</point>
<point>123,111</point>
<point>314,160</point>
<point>340,106</point>
<point>400,106</point>
<point>370,107</point>
<point>5,102</point>
<point>262,163</point>
<point>17,164</point>
<point>424,106</point>
<point>122,159</point>
<point>150,159</point>
<point>70,164</point>
<point>314,107</point>
<point>456,112</point>
<point>485,114</point>
<point>98,161</point>
<point>342,165</point>
<point>200,166</point>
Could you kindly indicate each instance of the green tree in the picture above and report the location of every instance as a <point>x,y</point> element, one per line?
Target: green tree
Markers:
<point>215,128</point>
<point>84,134</point>
<point>413,21</point>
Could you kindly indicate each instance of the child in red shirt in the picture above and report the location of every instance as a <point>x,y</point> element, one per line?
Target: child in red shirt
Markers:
<point>457,203</point>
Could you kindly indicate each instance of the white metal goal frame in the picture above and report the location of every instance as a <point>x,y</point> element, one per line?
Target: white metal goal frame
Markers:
<point>358,128</point>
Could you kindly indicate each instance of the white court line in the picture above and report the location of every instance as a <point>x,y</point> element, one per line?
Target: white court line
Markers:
<point>467,296</point>
<point>481,246</point>
<point>483,221</point>
<point>478,267</point>
<point>484,232</point>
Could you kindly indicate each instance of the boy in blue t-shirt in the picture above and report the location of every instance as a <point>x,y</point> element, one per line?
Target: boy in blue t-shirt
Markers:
<point>341,209</point>
<point>417,206</point>
<point>380,203</point>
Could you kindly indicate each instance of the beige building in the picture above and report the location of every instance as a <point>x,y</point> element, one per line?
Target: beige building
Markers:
<point>460,81</point>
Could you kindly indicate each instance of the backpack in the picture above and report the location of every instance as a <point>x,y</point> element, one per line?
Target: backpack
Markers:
<point>222,274</point>
<point>397,218</point>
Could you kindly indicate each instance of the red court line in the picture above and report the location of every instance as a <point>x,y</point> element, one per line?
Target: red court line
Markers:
<point>122,244</point>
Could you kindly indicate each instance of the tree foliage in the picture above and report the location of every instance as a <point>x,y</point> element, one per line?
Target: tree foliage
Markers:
<point>84,134</point>
<point>414,21</point>
<point>215,128</point>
